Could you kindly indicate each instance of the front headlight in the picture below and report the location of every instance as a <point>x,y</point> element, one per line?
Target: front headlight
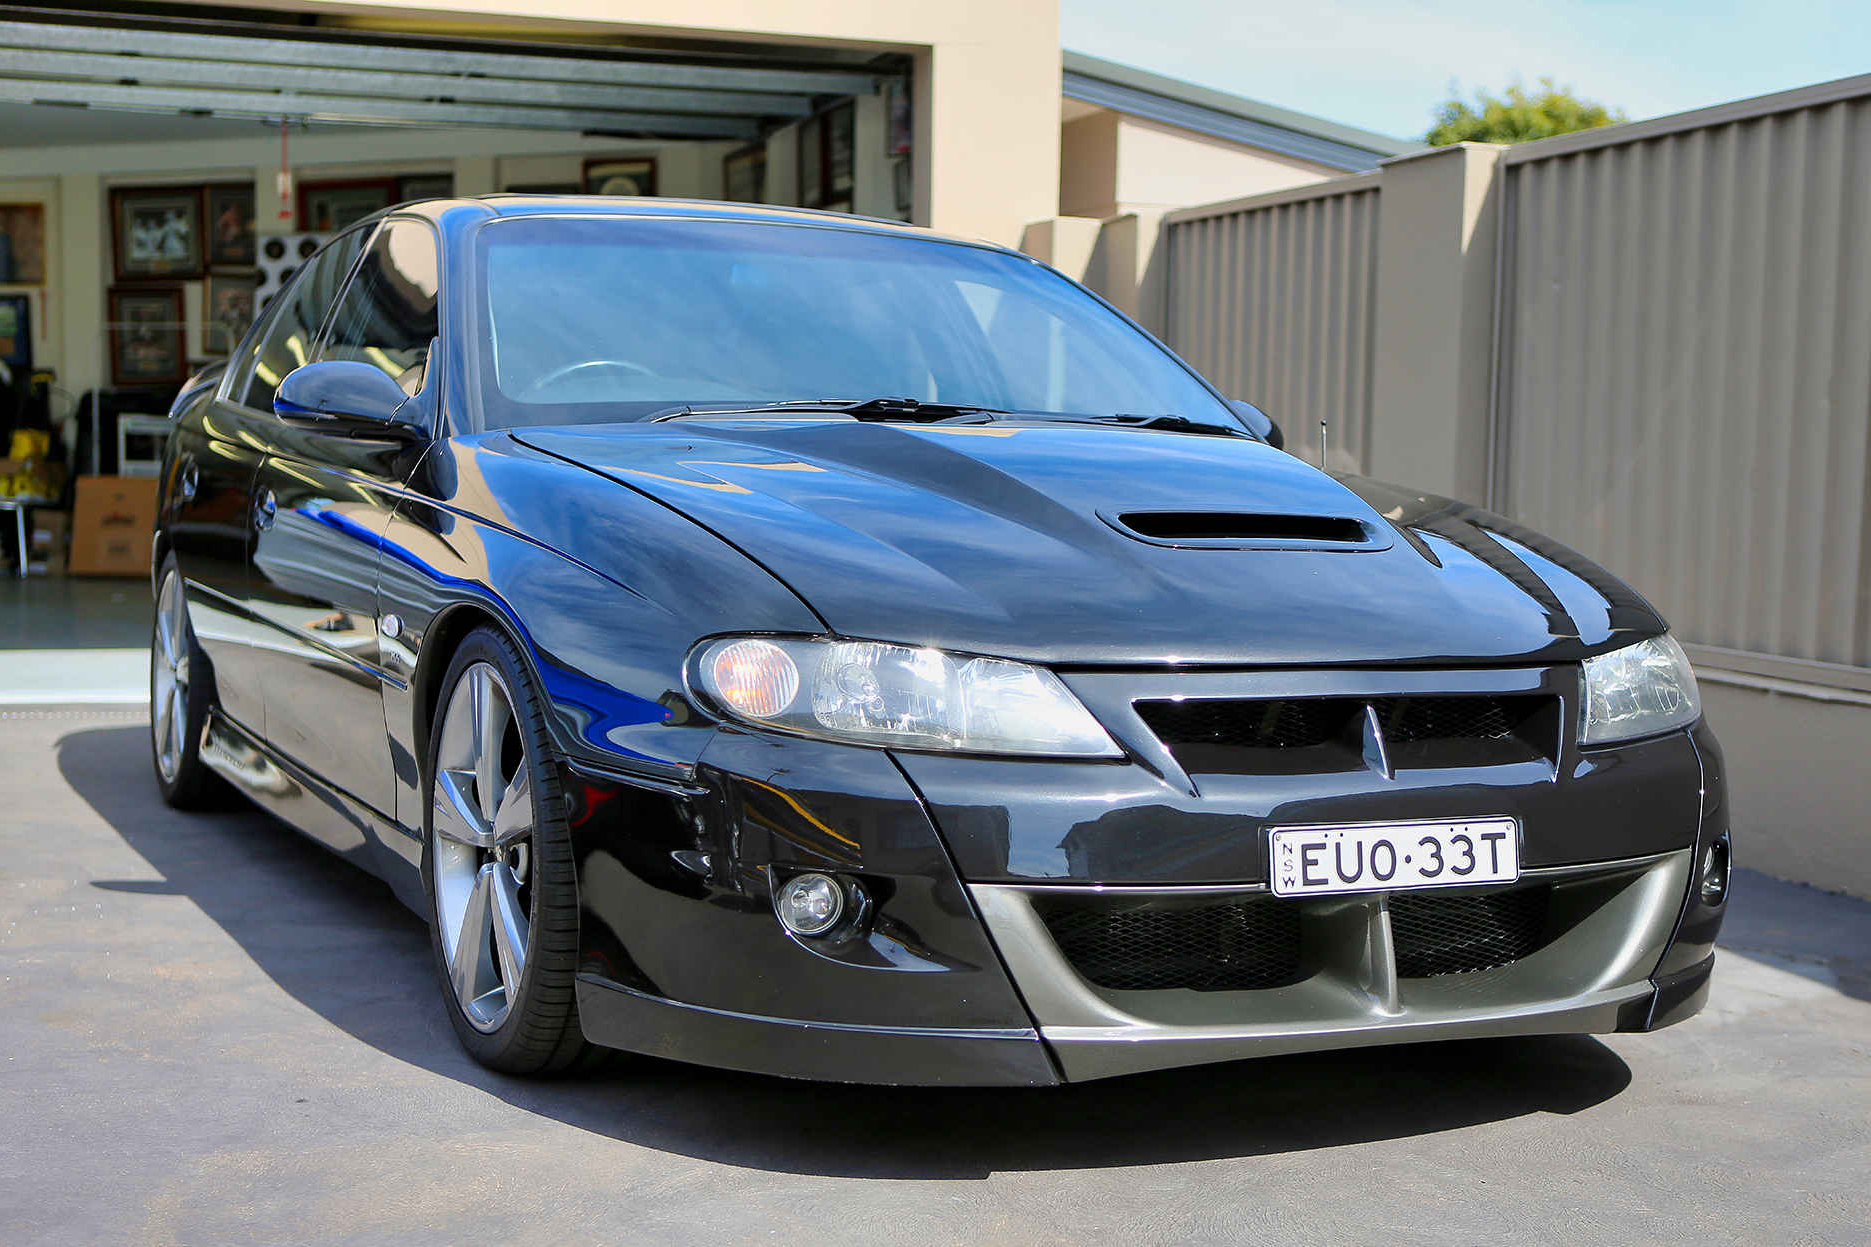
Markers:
<point>1639,690</point>
<point>871,693</point>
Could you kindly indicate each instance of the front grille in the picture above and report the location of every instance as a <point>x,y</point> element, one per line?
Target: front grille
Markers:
<point>1454,933</point>
<point>1286,723</point>
<point>1315,735</point>
<point>1405,720</point>
<point>1245,944</point>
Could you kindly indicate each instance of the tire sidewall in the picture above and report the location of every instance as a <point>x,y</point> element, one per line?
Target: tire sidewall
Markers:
<point>192,780</point>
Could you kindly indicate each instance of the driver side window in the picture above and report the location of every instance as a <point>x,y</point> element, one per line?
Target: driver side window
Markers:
<point>288,339</point>
<point>387,315</point>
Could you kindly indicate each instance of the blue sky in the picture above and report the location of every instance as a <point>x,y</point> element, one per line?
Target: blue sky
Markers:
<point>1385,66</point>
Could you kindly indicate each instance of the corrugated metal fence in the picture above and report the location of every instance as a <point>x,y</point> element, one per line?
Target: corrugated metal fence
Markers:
<point>1683,378</point>
<point>1272,299</point>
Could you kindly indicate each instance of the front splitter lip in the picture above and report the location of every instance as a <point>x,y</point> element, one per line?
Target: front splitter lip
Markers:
<point>1089,1052</point>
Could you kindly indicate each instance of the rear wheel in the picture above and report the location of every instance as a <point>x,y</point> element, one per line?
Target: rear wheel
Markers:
<point>498,863</point>
<point>179,695</point>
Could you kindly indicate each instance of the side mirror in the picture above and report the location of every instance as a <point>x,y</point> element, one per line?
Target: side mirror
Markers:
<point>343,391</point>
<point>1259,423</point>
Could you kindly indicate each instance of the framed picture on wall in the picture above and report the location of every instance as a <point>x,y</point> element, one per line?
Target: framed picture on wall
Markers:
<point>744,175</point>
<point>425,186</point>
<point>230,224</point>
<point>327,207</point>
<point>156,231</point>
<point>16,333</point>
<point>147,346</point>
<point>22,243</point>
<point>841,151</point>
<point>226,310</point>
<point>828,158</point>
<point>619,175</point>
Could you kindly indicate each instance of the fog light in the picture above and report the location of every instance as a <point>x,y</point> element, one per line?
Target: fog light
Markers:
<point>811,904</point>
<point>1715,873</point>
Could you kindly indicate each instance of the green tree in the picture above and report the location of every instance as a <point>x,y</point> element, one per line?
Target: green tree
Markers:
<point>1517,115</point>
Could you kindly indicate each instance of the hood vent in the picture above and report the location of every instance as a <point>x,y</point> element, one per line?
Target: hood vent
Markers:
<point>1237,529</point>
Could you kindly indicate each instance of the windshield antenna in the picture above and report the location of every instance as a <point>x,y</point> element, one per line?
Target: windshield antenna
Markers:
<point>1321,445</point>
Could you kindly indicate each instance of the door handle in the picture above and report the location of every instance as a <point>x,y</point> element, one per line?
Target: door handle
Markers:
<point>264,508</point>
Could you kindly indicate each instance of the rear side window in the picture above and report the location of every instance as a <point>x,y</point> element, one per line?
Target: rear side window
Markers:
<point>291,335</point>
<point>386,317</point>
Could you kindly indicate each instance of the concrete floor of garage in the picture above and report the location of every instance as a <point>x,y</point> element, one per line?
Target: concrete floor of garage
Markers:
<point>76,639</point>
<point>216,1032</point>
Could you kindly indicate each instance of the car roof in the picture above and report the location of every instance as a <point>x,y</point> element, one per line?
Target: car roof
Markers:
<point>518,204</point>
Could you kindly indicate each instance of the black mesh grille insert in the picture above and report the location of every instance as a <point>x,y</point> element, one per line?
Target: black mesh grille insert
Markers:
<point>1323,734</point>
<point>1292,723</point>
<point>1452,933</point>
<point>1408,719</point>
<point>1237,945</point>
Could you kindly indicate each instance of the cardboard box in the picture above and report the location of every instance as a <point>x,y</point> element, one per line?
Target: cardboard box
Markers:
<point>112,525</point>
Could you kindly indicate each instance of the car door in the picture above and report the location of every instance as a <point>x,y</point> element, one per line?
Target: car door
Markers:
<point>324,501</point>
<point>217,460</point>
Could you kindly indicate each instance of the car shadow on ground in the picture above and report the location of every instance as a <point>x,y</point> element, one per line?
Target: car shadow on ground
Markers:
<point>311,921</point>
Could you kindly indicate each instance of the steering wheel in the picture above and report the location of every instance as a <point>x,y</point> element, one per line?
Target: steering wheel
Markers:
<point>557,375</point>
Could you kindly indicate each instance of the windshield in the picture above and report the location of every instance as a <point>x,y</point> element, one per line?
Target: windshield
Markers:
<point>588,320</point>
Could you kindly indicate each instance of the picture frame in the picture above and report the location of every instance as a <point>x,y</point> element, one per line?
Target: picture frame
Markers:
<point>841,150</point>
<point>230,214</point>
<point>327,207</point>
<point>744,175</point>
<point>22,243</point>
<point>16,333</point>
<point>148,345</point>
<point>227,309</point>
<point>156,232</point>
<point>828,158</point>
<point>425,186</point>
<point>620,175</point>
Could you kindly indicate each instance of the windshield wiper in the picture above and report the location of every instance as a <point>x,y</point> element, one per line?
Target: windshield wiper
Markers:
<point>1169,421</point>
<point>873,410</point>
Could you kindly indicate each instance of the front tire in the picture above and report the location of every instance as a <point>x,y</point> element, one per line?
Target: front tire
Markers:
<point>180,690</point>
<point>497,865</point>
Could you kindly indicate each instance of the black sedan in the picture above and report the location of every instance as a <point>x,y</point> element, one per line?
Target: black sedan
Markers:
<point>812,645</point>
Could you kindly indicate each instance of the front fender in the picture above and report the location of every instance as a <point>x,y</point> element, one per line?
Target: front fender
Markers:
<point>603,590</point>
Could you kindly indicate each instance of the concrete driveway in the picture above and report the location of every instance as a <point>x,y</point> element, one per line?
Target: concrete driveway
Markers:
<point>214,1031</point>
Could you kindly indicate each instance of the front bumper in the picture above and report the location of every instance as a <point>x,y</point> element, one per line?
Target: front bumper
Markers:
<point>960,981</point>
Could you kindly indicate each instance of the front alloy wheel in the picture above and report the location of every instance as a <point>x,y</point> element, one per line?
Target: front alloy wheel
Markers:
<point>498,861</point>
<point>482,830</point>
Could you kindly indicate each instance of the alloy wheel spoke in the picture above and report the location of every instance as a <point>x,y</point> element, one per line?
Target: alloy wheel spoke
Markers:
<point>510,924</point>
<point>457,814</point>
<point>471,940</point>
<point>514,818</point>
<point>165,725</point>
<point>490,728</point>
<point>178,719</point>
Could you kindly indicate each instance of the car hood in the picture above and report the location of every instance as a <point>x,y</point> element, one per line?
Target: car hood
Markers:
<point>1008,539</point>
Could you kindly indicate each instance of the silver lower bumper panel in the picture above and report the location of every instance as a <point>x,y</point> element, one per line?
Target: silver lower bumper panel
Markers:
<point>1617,918</point>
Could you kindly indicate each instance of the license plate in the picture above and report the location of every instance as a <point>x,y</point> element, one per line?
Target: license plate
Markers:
<point>1390,857</point>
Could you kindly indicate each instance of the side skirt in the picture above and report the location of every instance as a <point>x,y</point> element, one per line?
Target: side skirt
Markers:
<point>325,815</point>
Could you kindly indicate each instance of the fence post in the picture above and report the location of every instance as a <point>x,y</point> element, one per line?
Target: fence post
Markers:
<point>1435,319</point>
